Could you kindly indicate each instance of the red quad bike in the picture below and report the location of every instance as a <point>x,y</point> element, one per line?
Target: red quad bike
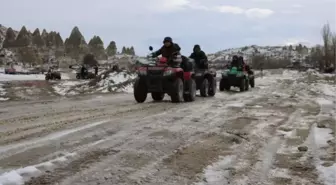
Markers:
<point>160,79</point>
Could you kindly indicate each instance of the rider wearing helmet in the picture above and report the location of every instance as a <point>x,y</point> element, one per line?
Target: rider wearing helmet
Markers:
<point>200,57</point>
<point>168,49</point>
<point>235,61</point>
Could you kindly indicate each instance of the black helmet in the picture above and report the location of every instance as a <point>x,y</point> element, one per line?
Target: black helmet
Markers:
<point>197,47</point>
<point>235,57</point>
<point>167,39</point>
<point>241,58</point>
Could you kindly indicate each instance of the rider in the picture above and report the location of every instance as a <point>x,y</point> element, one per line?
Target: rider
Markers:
<point>200,57</point>
<point>235,61</point>
<point>168,49</point>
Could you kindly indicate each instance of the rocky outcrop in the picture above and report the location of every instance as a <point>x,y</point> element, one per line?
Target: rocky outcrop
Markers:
<point>76,46</point>
<point>42,47</point>
<point>111,49</point>
<point>9,41</point>
<point>96,47</point>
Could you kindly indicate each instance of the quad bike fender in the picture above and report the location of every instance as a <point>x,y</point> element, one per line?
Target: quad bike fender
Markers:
<point>187,75</point>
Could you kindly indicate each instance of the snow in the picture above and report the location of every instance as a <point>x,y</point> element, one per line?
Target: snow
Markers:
<point>7,77</point>
<point>19,176</point>
<point>218,173</point>
<point>321,136</point>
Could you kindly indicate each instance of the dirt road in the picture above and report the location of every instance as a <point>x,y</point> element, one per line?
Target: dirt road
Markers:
<point>234,138</point>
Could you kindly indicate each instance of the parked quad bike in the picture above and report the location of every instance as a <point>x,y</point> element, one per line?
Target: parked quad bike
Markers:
<point>53,76</point>
<point>87,75</point>
<point>206,82</point>
<point>159,79</point>
<point>236,78</point>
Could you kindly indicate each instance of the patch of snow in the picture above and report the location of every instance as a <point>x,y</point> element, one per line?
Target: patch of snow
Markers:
<point>320,138</point>
<point>8,77</point>
<point>328,174</point>
<point>323,101</point>
<point>219,172</point>
<point>19,176</point>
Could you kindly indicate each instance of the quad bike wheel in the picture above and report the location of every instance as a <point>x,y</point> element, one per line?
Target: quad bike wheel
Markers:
<point>46,77</point>
<point>157,96</point>
<point>252,82</point>
<point>191,88</point>
<point>205,88</point>
<point>247,84</point>
<point>242,85</point>
<point>176,94</point>
<point>78,76</point>
<point>221,84</point>
<point>212,87</point>
<point>140,91</point>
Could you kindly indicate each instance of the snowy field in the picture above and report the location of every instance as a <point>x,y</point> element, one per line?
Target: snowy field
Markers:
<point>281,132</point>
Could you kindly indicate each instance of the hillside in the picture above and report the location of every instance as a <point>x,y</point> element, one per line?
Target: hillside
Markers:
<point>290,53</point>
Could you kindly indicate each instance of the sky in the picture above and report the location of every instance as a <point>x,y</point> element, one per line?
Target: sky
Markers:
<point>213,24</point>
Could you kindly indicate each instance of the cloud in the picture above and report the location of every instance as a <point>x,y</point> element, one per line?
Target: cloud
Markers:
<point>230,9</point>
<point>258,13</point>
<point>250,13</point>
<point>210,23</point>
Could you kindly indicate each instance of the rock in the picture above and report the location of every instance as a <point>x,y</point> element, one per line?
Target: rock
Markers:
<point>303,148</point>
<point>321,125</point>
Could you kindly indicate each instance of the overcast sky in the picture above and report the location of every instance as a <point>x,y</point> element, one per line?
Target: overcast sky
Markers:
<point>214,24</point>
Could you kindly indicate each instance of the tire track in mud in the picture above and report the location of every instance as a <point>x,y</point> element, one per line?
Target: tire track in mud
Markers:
<point>139,131</point>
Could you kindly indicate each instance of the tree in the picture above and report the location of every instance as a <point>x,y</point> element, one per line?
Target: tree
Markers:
<point>111,49</point>
<point>9,39</point>
<point>326,36</point>
<point>333,41</point>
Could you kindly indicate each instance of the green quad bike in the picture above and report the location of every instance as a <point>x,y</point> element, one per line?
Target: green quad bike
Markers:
<point>236,78</point>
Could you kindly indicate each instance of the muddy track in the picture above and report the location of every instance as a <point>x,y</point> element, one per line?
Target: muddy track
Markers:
<point>110,139</point>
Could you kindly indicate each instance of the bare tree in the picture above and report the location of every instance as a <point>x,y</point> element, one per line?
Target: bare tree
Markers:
<point>334,48</point>
<point>326,36</point>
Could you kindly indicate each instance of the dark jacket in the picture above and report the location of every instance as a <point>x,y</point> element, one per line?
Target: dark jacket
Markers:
<point>200,59</point>
<point>167,51</point>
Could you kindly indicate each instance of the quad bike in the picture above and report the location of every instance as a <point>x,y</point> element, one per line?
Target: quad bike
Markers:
<point>159,78</point>
<point>87,75</point>
<point>206,82</point>
<point>53,75</point>
<point>234,77</point>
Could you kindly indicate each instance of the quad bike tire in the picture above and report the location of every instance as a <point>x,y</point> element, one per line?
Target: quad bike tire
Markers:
<point>242,85</point>
<point>252,82</point>
<point>191,85</point>
<point>176,94</point>
<point>247,84</point>
<point>212,87</point>
<point>223,85</point>
<point>47,78</point>
<point>157,96</point>
<point>204,90</point>
<point>140,91</point>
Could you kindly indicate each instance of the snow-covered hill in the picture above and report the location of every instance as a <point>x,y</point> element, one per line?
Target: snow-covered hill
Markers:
<point>294,53</point>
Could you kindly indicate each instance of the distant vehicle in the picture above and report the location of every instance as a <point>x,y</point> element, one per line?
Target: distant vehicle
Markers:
<point>10,68</point>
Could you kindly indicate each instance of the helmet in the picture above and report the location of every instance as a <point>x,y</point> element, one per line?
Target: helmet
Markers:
<point>235,57</point>
<point>167,39</point>
<point>241,58</point>
<point>197,47</point>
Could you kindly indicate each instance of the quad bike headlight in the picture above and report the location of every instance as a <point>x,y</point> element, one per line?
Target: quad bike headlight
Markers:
<point>168,73</point>
<point>142,72</point>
